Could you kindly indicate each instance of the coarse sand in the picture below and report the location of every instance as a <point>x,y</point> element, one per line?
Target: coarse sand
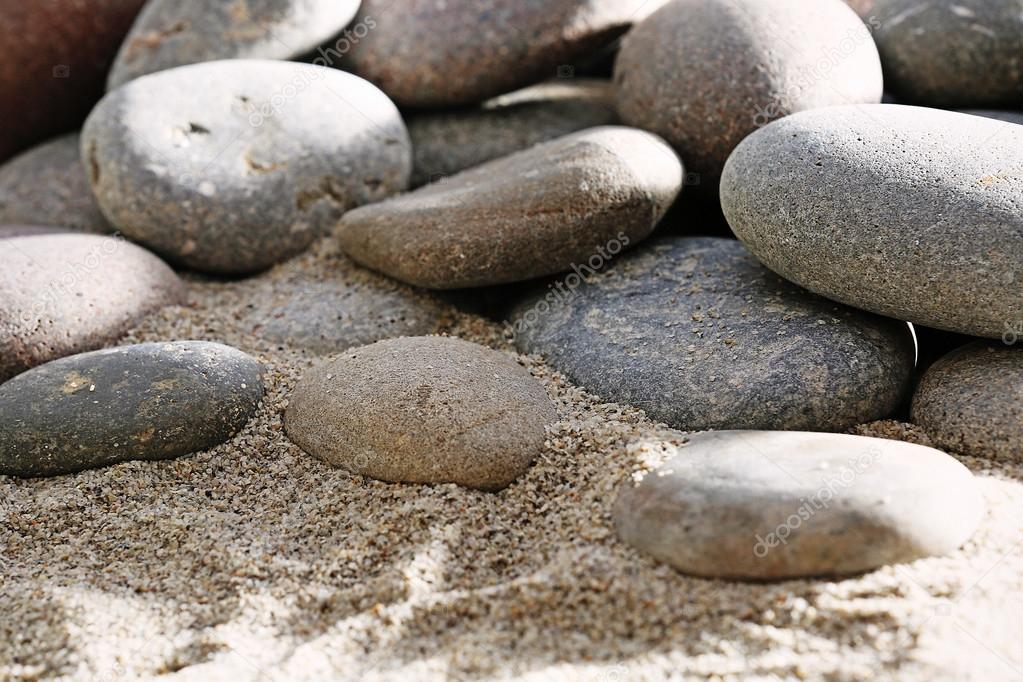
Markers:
<point>255,561</point>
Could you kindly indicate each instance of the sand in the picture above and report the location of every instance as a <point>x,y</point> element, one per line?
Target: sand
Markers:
<point>255,561</point>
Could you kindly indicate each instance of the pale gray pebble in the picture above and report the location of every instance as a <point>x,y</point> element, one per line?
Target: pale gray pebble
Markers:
<point>908,212</point>
<point>169,33</point>
<point>530,214</point>
<point>423,410</point>
<point>701,336</point>
<point>233,165</point>
<point>763,505</point>
<point>149,401</point>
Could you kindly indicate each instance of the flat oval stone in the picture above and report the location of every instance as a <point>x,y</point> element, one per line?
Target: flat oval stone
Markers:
<point>530,214</point>
<point>47,185</point>
<point>171,33</point>
<point>963,53</point>
<point>145,402</point>
<point>704,74</point>
<point>436,54</point>
<point>971,401</point>
<point>230,166</point>
<point>701,336</point>
<point>446,142</point>
<point>423,410</point>
<point>62,294</point>
<point>763,505</point>
<point>908,212</point>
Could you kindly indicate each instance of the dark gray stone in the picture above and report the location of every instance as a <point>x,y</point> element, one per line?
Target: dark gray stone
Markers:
<point>230,166</point>
<point>701,336</point>
<point>908,212</point>
<point>145,402</point>
<point>522,216</point>
<point>761,505</point>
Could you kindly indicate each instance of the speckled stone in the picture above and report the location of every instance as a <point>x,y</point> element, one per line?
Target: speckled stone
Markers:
<point>230,166</point>
<point>171,33</point>
<point>435,54</point>
<point>1007,116</point>
<point>66,293</point>
<point>971,401</point>
<point>701,336</point>
<point>522,216</point>
<point>908,212</point>
<point>446,142</point>
<point>952,54</point>
<point>149,401</point>
<point>423,410</point>
<point>762,505</point>
<point>53,61</point>
<point>47,186</point>
<point>704,74</point>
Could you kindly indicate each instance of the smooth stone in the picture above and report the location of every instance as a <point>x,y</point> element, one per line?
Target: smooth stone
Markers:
<point>698,334</point>
<point>446,142</point>
<point>1007,116</point>
<point>150,401</point>
<point>704,74</point>
<point>423,410</point>
<point>953,54</point>
<point>971,401</point>
<point>526,215</point>
<point>904,211</point>
<point>62,294</point>
<point>171,33</point>
<point>47,185</point>
<point>214,167</point>
<point>763,505</point>
<point>53,62</point>
<point>439,54</point>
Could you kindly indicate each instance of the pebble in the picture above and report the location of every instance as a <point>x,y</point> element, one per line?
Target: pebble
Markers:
<point>423,410</point>
<point>971,401</point>
<point>704,75</point>
<point>904,211</point>
<point>522,216</point>
<point>697,333</point>
<point>47,185</point>
<point>439,54</point>
<point>171,33</point>
<point>62,294</point>
<point>951,54</point>
<point>763,505</point>
<point>446,142</point>
<point>149,401</point>
<point>230,166</point>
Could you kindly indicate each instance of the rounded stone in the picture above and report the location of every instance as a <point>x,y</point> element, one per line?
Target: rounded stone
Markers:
<point>230,166</point>
<point>65,293</point>
<point>436,54</point>
<point>704,74</point>
<point>701,336</point>
<point>530,214</point>
<point>145,402</point>
<point>446,142</point>
<point>951,54</point>
<point>971,401</point>
<point>423,410</point>
<point>171,33</point>
<point>47,185</point>
<point>904,211</point>
<point>763,505</point>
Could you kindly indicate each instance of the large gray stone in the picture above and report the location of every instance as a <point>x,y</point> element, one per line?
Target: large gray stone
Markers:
<point>904,211</point>
<point>700,335</point>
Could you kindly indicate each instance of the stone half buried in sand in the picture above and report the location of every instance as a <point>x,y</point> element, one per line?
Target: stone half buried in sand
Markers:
<point>149,401</point>
<point>423,410</point>
<point>527,215</point>
<point>701,336</point>
<point>764,505</point>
